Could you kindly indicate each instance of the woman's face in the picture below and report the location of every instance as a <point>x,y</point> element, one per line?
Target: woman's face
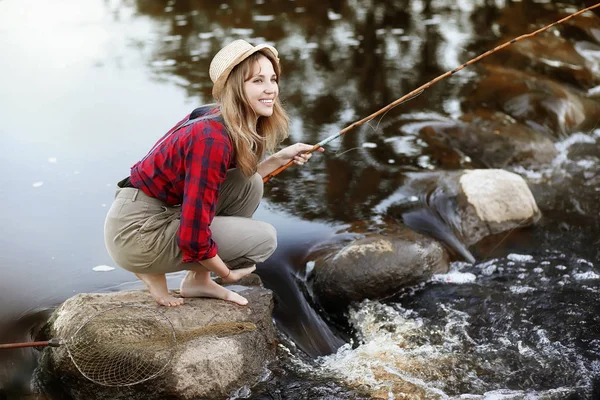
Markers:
<point>262,88</point>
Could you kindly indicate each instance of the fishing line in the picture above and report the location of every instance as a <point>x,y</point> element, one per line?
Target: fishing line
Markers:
<point>344,152</point>
<point>381,119</point>
<point>422,88</point>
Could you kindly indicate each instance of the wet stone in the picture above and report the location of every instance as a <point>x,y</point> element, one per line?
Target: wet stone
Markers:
<point>375,266</point>
<point>553,57</point>
<point>467,205</point>
<point>493,140</point>
<point>541,103</point>
<point>584,27</point>
<point>220,348</point>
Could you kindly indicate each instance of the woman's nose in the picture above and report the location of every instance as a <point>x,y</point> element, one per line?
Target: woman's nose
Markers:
<point>270,87</point>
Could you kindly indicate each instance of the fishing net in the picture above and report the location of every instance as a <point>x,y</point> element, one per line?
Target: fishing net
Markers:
<point>123,346</point>
<point>127,345</point>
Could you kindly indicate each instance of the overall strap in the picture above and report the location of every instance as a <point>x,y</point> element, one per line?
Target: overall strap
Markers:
<point>189,121</point>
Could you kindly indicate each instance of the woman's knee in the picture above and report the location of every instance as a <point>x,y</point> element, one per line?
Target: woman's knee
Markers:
<point>267,244</point>
<point>256,186</point>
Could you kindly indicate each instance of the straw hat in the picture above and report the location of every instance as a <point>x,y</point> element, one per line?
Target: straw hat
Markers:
<point>230,56</point>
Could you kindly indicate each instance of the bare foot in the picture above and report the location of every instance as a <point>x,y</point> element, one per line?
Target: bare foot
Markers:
<point>157,285</point>
<point>237,274</point>
<point>200,285</point>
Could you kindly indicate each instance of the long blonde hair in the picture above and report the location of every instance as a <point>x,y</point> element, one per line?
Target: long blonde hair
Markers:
<point>251,139</point>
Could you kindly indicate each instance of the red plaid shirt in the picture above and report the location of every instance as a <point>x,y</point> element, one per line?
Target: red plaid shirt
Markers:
<point>187,166</point>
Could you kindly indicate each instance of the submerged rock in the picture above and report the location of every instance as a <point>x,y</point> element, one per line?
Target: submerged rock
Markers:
<point>554,57</point>
<point>543,104</point>
<point>493,139</point>
<point>375,267</point>
<point>230,347</point>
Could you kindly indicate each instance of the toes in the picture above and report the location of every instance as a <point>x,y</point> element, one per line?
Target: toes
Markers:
<point>162,302</point>
<point>236,298</point>
<point>173,302</point>
<point>169,301</point>
<point>241,302</point>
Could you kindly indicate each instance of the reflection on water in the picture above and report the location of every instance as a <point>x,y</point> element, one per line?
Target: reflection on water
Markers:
<point>89,87</point>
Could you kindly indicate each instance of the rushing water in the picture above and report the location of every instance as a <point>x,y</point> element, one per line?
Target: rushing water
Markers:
<point>87,88</point>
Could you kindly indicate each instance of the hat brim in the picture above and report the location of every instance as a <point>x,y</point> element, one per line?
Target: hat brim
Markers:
<point>220,83</point>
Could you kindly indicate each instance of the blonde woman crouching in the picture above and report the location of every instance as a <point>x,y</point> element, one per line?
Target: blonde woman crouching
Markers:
<point>188,204</point>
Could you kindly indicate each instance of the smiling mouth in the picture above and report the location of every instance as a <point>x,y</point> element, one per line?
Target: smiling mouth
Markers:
<point>268,102</point>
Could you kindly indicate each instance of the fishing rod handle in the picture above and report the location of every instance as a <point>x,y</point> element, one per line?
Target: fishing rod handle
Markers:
<point>268,177</point>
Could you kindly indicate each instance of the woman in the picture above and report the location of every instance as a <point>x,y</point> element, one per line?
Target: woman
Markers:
<point>188,204</point>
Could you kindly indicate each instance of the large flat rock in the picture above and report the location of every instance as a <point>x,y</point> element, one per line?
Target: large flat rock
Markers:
<point>230,347</point>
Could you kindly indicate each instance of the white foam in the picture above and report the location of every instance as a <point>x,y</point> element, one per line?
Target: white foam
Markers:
<point>584,261</point>
<point>519,257</point>
<point>527,173</point>
<point>522,289</point>
<point>37,184</point>
<point>369,145</point>
<point>454,277</point>
<point>582,276</point>
<point>586,164</point>
<point>103,268</point>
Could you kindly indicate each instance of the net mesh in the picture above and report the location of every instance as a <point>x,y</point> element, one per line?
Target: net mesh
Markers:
<point>123,346</point>
<point>127,345</point>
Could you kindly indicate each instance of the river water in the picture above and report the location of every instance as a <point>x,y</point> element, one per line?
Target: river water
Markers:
<point>88,87</point>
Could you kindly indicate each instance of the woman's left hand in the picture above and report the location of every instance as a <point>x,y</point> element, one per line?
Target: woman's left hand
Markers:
<point>297,153</point>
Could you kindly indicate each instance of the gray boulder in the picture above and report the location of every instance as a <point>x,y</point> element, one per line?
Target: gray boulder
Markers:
<point>211,364</point>
<point>474,203</point>
<point>492,201</point>
<point>374,267</point>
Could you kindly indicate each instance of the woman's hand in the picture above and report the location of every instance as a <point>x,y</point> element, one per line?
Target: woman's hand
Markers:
<point>296,152</point>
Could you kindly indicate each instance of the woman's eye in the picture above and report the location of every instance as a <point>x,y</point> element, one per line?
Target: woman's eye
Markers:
<point>258,80</point>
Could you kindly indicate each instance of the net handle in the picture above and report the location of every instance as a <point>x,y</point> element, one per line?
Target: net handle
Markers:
<point>51,343</point>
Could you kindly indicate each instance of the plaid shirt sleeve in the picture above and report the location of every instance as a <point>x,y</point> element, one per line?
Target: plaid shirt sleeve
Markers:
<point>205,163</point>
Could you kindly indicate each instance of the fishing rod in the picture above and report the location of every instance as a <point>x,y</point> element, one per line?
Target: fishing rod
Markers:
<point>422,88</point>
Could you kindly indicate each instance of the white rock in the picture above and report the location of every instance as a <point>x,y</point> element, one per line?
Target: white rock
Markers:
<point>498,195</point>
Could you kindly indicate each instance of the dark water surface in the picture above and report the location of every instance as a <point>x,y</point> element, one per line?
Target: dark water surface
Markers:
<point>87,87</point>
